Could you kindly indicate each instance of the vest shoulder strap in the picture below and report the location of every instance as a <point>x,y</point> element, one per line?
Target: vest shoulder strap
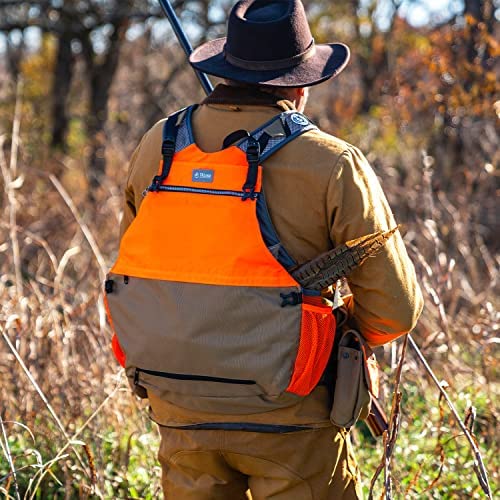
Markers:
<point>268,139</point>
<point>185,135</point>
<point>277,132</point>
<point>272,135</point>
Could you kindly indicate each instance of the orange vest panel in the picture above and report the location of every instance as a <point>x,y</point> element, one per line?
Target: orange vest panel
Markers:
<point>192,237</point>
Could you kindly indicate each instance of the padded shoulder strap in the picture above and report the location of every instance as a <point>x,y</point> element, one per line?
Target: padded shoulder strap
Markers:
<point>272,136</point>
<point>185,135</point>
<point>278,131</point>
<point>176,123</point>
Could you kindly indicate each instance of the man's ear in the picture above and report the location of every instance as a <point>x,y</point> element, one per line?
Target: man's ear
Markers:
<point>302,94</point>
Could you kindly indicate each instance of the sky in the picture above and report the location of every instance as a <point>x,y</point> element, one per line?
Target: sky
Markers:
<point>426,12</point>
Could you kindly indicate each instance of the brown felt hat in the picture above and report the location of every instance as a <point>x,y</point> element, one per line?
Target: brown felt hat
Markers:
<point>269,43</point>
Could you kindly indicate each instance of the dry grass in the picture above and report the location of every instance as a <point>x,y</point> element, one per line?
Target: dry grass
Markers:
<point>71,429</point>
<point>62,393</point>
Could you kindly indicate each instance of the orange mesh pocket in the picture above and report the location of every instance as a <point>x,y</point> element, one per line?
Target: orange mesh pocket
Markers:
<point>316,341</point>
<point>115,344</point>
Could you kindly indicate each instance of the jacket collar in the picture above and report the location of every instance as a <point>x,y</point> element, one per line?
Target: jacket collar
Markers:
<point>246,96</point>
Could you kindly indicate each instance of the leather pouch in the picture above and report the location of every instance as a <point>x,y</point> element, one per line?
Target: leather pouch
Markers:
<point>357,380</point>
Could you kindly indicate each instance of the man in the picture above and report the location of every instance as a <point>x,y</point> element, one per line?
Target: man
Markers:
<point>320,192</point>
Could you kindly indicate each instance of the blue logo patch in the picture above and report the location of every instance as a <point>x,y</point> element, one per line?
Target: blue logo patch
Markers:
<point>201,175</point>
<point>299,119</point>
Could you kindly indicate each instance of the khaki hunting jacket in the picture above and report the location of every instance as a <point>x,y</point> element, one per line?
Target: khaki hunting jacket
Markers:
<point>320,192</point>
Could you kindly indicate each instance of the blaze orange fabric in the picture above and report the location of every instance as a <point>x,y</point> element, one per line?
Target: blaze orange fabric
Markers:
<point>316,341</point>
<point>200,238</point>
<point>115,345</point>
<point>117,351</point>
<point>231,173</point>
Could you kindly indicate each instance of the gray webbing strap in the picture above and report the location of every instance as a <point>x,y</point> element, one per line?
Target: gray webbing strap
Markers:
<point>280,130</point>
<point>185,135</point>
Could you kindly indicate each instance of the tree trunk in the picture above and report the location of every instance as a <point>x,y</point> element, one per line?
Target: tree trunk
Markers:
<point>63,74</point>
<point>96,133</point>
<point>474,8</point>
<point>102,74</point>
<point>14,56</point>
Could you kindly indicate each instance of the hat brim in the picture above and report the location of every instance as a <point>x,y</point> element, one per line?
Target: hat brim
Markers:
<point>328,61</point>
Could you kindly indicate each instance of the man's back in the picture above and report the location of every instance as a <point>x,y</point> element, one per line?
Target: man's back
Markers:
<point>320,192</point>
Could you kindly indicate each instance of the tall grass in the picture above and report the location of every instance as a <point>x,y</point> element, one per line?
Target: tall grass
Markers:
<point>70,427</point>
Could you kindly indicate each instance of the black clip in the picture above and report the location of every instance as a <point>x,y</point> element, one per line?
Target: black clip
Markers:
<point>167,151</point>
<point>155,185</point>
<point>253,150</point>
<point>291,299</point>
<point>168,147</point>
<point>109,286</point>
<point>253,156</point>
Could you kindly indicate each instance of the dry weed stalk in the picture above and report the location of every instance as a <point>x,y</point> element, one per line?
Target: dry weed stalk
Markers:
<point>479,467</point>
<point>20,312</point>
<point>71,441</point>
<point>434,290</point>
<point>85,229</point>
<point>4,443</point>
<point>438,450</point>
<point>40,393</point>
<point>391,434</point>
<point>12,183</point>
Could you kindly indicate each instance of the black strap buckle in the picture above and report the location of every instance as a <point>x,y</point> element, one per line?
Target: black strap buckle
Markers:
<point>170,130</point>
<point>168,147</point>
<point>167,151</point>
<point>253,150</point>
<point>253,156</point>
<point>109,286</point>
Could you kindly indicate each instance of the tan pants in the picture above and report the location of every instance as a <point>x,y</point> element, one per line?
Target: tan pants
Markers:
<point>211,465</point>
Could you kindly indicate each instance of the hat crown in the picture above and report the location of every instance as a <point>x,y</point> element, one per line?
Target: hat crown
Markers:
<point>267,30</point>
<point>269,43</point>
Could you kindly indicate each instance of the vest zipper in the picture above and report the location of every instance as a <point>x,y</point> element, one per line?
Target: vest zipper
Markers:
<point>218,192</point>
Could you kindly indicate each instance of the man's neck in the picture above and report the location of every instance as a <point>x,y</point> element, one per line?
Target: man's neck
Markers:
<point>245,95</point>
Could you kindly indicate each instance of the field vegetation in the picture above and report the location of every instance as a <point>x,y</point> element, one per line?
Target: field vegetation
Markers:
<point>79,87</point>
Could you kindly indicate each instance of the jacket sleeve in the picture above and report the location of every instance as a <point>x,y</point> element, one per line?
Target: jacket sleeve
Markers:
<point>387,297</point>
<point>130,205</point>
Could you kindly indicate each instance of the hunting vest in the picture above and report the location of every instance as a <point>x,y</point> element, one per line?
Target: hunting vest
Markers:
<point>203,309</point>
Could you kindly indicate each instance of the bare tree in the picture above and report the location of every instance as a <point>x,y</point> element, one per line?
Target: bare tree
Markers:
<point>96,29</point>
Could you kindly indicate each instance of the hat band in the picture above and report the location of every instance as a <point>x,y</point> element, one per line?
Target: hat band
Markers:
<point>270,65</point>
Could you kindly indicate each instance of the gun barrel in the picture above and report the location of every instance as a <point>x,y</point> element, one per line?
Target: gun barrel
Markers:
<point>183,40</point>
<point>377,419</point>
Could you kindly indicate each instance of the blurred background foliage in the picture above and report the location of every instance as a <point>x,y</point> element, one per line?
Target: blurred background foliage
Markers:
<point>82,80</point>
